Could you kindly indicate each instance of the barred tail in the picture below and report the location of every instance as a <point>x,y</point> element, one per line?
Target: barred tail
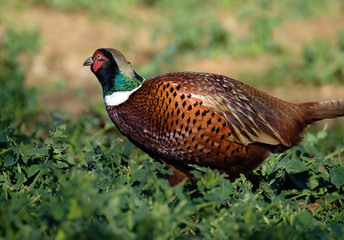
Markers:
<point>314,111</point>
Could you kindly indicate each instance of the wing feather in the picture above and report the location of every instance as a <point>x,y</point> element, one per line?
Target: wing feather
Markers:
<point>245,120</point>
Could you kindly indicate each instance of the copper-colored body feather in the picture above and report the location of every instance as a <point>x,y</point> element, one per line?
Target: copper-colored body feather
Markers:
<point>213,121</point>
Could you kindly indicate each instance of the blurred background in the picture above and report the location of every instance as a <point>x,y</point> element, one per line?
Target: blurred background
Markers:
<point>292,49</point>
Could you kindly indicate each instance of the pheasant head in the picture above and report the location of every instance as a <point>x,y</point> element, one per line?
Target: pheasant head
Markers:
<point>115,74</point>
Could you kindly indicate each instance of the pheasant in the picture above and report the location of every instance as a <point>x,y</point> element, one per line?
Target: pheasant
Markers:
<point>204,119</point>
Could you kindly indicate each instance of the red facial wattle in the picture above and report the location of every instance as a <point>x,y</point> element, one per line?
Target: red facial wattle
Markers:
<point>98,59</point>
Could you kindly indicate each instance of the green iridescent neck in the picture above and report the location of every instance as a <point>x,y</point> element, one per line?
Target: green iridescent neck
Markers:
<point>123,82</point>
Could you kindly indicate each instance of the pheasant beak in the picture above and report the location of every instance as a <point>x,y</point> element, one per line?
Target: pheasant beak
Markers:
<point>88,62</point>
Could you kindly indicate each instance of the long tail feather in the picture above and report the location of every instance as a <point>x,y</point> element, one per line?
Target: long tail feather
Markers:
<point>315,111</point>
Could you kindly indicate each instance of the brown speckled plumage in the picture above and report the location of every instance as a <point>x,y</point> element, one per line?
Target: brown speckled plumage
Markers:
<point>212,121</point>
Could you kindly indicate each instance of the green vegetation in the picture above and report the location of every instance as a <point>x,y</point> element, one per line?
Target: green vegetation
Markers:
<point>16,102</point>
<point>80,179</point>
<point>321,62</point>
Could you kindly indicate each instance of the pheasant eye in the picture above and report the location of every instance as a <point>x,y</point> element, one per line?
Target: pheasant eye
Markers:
<point>99,56</point>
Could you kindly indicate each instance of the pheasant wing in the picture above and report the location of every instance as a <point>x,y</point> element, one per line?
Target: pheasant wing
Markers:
<point>245,120</point>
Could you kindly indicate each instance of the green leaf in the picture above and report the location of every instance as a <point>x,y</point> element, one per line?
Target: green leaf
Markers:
<point>226,189</point>
<point>38,151</point>
<point>128,147</point>
<point>270,193</point>
<point>20,178</point>
<point>337,176</point>
<point>170,171</point>
<point>295,166</point>
<point>89,156</point>
<point>60,132</point>
<point>139,175</point>
<point>8,160</point>
<point>33,169</point>
<point>60,164</point>
<point>158,165</point>
<point>4,135</point>
<point>304,219</point>
<point>313,182</point>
